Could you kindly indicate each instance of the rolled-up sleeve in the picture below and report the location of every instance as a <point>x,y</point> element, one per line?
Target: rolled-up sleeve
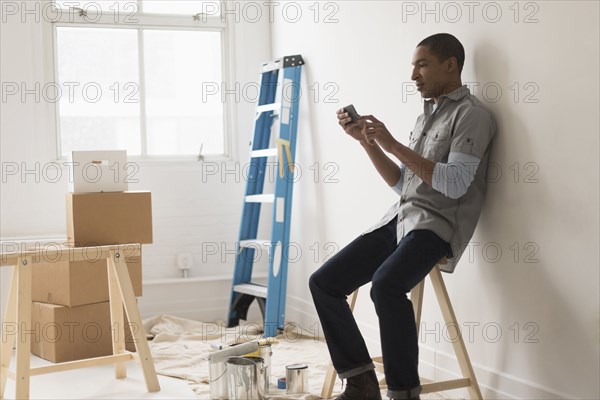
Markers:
<point>398,186</point>
<point>453,178</point>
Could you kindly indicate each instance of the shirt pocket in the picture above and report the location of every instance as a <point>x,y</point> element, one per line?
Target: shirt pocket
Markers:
<point>437,144</point>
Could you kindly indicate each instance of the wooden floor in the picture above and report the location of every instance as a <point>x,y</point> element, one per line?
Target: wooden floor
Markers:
<point>99,383</point>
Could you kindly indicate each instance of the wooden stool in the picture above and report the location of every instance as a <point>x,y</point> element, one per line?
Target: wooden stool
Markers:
<point>18,312</point>
<point>416,295</point>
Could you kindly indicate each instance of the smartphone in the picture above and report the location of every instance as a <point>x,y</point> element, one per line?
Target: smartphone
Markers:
<point>352,112</point>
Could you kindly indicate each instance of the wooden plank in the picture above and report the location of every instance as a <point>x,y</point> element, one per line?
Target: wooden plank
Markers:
<point>54,253</point>
<point>327,389</point>
<point>24,326</point>
<point>416,298</point>
<point>88,362</point>
<point>117,321</point>
<point>445,385</point>
<point>9,322</point>
<point>117,262</point>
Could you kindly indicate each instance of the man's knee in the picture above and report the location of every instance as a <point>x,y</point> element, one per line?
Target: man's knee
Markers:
<point>382,285</point>
<point>313,281</point>
<point>321,283</point>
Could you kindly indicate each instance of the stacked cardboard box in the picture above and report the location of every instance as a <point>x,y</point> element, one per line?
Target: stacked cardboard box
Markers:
<point>71,312</point>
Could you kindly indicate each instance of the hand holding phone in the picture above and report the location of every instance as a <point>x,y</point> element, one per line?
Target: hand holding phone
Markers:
<point>352,112</point>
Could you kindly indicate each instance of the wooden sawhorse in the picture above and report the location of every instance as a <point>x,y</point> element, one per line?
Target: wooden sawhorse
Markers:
<point>18,315</point>
<point>416,295</point>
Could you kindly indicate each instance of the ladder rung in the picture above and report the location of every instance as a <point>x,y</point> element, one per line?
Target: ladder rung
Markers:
<point>264,153</point>
<point>255,243</point>
<point>251,289</point>
<point>260,198</point>
<point>268,107</point>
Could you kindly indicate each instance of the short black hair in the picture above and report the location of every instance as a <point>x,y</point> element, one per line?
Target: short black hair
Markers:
<point>444,46</point>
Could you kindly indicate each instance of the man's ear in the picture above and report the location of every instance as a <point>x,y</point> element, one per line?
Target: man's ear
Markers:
<point>452,64</point>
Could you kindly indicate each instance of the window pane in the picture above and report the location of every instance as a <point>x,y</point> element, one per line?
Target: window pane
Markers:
<point>99,78</point>
<point>104,6</point>
<point>178,64</point>
<point>182,7</point>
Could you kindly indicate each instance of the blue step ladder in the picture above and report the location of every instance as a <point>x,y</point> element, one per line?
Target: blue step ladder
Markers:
<point>279,99</point>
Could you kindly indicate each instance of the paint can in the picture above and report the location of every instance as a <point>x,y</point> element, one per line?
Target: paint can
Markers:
<point>296,377</point>
<point>265,352</point>
<point>218,381</point>
<point>246,378</point>
<point>217,368</point>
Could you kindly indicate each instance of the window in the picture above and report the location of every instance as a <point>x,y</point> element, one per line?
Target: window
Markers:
<point>132,74</point>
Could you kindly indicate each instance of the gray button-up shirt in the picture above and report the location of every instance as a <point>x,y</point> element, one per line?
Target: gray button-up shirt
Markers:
<point>459,124</point>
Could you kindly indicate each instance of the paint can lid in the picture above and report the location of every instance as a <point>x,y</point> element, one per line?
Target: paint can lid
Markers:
<point>296,366</point>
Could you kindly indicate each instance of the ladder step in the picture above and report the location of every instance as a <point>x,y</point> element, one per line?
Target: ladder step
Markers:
<point>252,289</point>
<point>264,153</point>
<point>260,198</point>
<point>254,243</point>
<point>268,107</point>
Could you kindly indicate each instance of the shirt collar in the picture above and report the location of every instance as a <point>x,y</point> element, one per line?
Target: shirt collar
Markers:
<point>454,95</point>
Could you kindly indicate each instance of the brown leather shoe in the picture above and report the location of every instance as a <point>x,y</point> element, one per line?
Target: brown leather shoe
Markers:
<point>362,387</point>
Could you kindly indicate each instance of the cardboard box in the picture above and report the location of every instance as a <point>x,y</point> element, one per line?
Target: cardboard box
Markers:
<point>98,171</point>
<point>79,283</point>
<point>73,333</point>
<point>109,218</point>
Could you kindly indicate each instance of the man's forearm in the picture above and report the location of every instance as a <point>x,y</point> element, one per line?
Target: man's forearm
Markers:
<point>422,167</point>
<point>388,169</point>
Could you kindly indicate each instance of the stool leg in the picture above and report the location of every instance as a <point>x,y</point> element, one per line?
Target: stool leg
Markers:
<point>452,324</point>
<point>416,298</point>
<point>9,322</point>
<point>117,321</point>
<point>23,324</point>
<point>117,263</point>
<point>327,389</point>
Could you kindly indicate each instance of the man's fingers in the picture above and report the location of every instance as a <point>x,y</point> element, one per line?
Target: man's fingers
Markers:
<point>372,118</point>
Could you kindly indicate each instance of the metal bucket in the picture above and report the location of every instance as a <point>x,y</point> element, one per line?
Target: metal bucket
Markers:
<point>218,381</point>
<point>246,378</point>
<point>218,369</point>
<point>264,351</point>
<point>296,376</point>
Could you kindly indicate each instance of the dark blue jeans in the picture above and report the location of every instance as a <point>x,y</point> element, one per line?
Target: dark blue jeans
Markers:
<point>393,270</point>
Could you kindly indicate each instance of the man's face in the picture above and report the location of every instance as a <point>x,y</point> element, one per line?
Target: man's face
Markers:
<point>429,74</point>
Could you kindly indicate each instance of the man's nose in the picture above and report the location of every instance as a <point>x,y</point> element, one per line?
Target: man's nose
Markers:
<point>414,75</point>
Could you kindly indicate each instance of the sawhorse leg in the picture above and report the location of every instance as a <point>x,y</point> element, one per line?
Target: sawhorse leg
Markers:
<point>116,263</point>
<point>10,322</point>
<point>18,316</point>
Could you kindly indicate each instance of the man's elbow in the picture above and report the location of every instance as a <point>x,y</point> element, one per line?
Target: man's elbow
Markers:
<point>457,193</point>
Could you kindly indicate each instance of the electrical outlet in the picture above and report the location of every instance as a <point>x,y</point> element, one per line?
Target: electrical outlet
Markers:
<point>185,260</point>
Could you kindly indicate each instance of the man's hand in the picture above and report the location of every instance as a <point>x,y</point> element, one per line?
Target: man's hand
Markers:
<point>375,131</point>
<point>353,129</point>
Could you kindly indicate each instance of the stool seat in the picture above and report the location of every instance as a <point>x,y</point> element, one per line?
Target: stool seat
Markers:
<point>468,380</point>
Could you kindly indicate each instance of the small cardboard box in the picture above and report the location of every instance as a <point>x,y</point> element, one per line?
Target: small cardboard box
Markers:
<point>80,282</point>
<point>109,218</point>
<point>98,171</point>
<point>63,334</point>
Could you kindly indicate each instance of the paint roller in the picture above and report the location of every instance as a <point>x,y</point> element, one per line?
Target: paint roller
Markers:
<point>239,350</point>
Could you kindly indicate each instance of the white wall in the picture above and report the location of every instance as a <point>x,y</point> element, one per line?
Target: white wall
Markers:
<point>367,55</point>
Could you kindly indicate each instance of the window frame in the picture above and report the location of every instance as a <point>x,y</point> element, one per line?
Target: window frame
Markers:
<point>154,22</point>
